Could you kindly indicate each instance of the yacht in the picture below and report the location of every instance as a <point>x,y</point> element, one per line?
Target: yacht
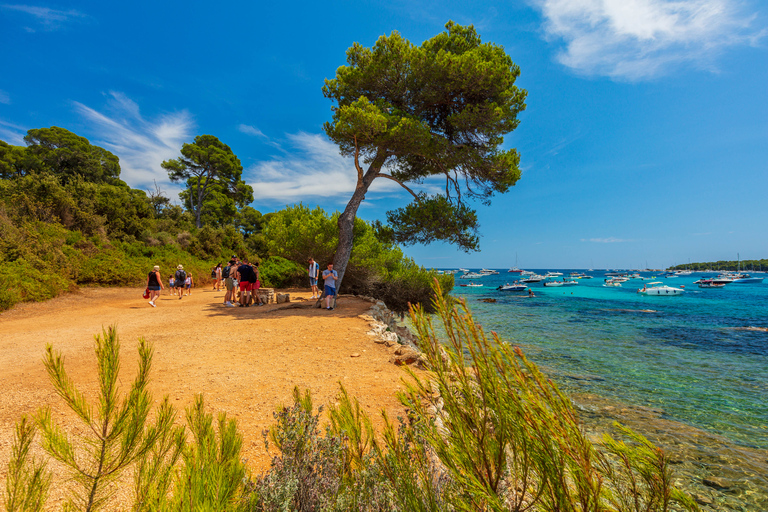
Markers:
<point>514,287</point>
<point>659,288</point>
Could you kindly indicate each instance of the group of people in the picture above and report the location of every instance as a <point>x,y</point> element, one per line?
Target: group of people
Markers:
<point>241,280</point>
<point>179,283</point>
<point>240,276</point>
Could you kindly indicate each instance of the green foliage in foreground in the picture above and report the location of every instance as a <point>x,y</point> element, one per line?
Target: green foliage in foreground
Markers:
<point>490,433</point>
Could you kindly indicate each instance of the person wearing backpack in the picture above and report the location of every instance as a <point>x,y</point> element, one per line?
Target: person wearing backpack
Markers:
<point>247,282</point>
<point>179,280</point>
<point>229,283</point>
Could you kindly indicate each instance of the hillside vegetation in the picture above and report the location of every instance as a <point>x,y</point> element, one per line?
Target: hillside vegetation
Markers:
<point>67,220</point>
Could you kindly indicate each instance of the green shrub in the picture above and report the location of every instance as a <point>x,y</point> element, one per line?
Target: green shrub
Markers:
<point>277,272</point>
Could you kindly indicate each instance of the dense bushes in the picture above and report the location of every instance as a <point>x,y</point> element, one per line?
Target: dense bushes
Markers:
<point>375,268</point>
<point>57,234</point>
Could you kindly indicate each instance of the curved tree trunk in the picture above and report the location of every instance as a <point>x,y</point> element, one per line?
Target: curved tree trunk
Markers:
<point>347,219</point>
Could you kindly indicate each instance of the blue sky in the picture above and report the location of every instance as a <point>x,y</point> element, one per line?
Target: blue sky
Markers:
<point>645,138</point>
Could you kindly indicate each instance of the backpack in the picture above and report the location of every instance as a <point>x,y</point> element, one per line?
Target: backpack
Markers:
<point>225,272</point>
<point>213,273</point>
<point>248,274</point>
<point>181,276</point>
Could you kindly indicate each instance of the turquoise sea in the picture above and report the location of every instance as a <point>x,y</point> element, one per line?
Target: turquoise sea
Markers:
<point>692,370</point>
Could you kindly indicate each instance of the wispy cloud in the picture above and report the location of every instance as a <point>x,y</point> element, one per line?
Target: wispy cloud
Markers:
<point>250,130</point>
<point>609,240</point>
<point>12,133</point>
<point>314,169</point>
<point>48,19</point>
<point>640,39</point>
<point>141,144</point>
<point>4,98</point>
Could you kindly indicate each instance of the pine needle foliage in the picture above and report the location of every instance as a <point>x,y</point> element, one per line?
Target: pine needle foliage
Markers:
<point>28,480</point>
<point>117,431</point>
<point>511,440</point>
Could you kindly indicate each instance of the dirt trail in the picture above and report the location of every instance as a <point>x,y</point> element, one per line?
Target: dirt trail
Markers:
<point>244,360</point>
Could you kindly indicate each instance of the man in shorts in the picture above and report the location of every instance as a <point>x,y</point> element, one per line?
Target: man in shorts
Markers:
<point>313,271</point>
<point>229,282</point>
<point>330,276</point>
<point>180,279</point>
<point>247,282</point>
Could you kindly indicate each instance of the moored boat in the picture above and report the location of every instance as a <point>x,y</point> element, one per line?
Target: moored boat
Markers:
<point>513,287</point>
<point>659,288</point>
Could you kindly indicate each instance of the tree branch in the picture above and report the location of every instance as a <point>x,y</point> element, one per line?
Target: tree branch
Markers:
<point>382,175</point>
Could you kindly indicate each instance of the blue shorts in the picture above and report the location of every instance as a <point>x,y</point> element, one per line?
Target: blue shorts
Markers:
<point>312,281</point>
<point>330,290</point>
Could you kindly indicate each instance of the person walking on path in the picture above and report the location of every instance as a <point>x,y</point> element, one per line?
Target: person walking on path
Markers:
<point>171,282</point>
<point>154,285</point>
<point>229,283</point>
<point>330,276</point>
<point>313,271</point>
<point>188,283</point>
<point>180,279</point>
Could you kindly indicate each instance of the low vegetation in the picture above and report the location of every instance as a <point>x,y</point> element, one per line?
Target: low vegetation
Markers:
<point>485,431</point>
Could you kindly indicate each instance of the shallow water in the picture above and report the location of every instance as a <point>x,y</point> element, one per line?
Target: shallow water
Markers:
<point>687,358</point>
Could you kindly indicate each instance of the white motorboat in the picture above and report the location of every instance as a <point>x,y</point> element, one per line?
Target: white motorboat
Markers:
<point>533,278</point>
<point>471,275</point>
<point>472,285</point>
<point>612,282</point>
<point>554,274</point>
<point>553,284</point>
<point>659,288</point>
<point>514,287</point>
<point>570,282</point>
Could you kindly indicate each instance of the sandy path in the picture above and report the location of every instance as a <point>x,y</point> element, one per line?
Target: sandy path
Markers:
<point>244,360</point>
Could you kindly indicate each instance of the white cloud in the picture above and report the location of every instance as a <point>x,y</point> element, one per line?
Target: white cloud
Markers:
<point>609,240</point>
<point>11,133</point>
<point>141,144</point>
<point>4,98</point>
<point>316,169</point>
<point>250,130</point>
<point>639,39</point>
<point>50,19</point>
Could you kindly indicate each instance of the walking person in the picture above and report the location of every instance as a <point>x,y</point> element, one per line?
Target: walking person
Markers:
<point>171,282</point>
<point>154,285</point>
<point>313,271</point>
<point>179,280</point>
<point>188,284</point>
<point>330,276</point>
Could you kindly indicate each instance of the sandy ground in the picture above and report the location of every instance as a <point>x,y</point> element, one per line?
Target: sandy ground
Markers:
<point>244,360</point>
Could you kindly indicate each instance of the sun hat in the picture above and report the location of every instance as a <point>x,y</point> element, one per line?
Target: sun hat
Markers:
<point>180,267</point>
<point>157,267</point>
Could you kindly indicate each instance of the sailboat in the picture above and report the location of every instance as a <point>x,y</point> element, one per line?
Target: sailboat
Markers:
<point>514,269</point>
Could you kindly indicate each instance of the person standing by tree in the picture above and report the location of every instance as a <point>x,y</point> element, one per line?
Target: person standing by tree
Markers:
<point>313,271</point>
<point>330,276</point>
<point>154,285</point>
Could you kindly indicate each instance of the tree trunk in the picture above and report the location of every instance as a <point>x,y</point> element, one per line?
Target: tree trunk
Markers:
<point>347,219</point>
